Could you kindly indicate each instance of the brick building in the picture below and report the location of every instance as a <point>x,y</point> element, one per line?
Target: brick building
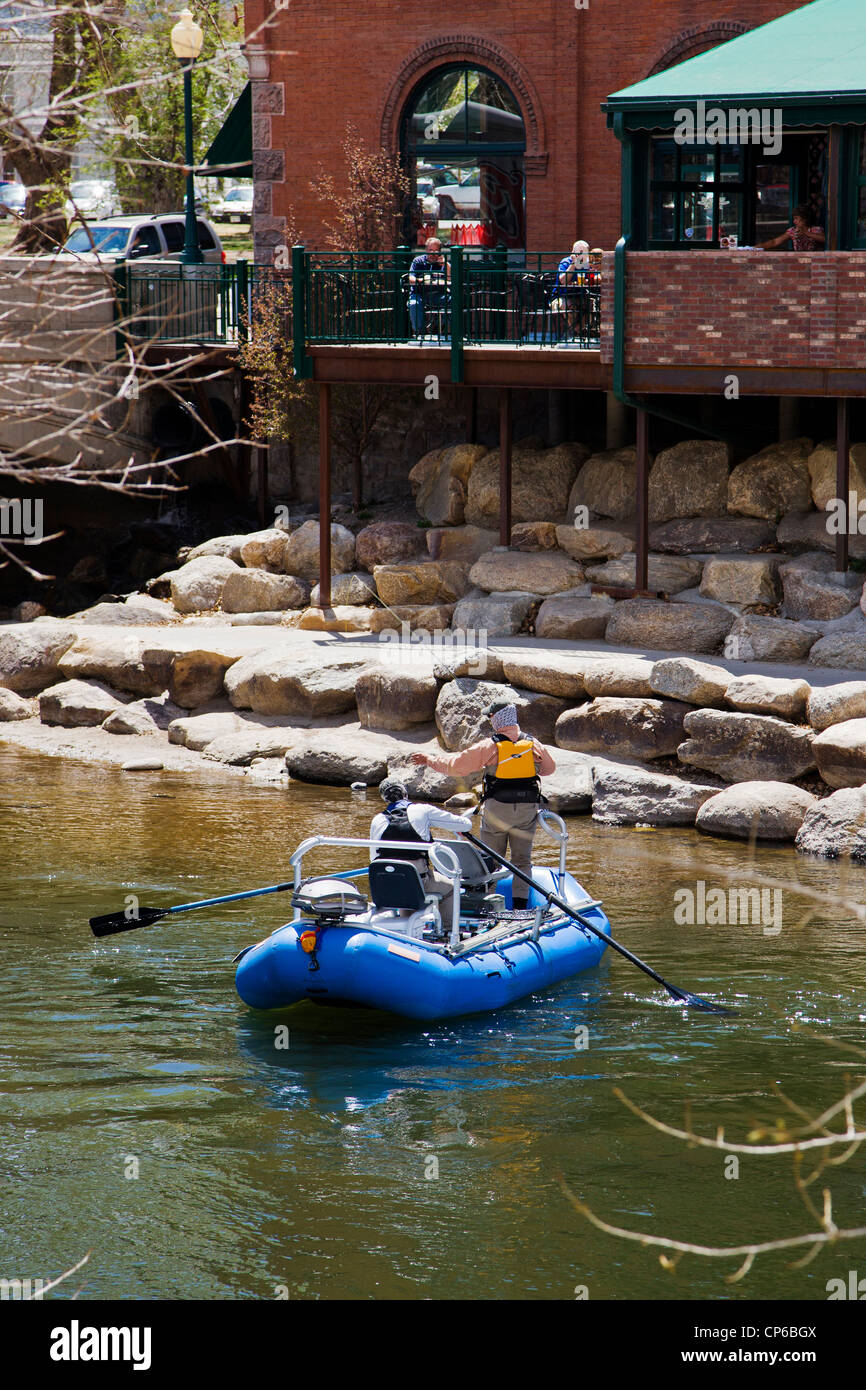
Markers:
<point>529,130</point>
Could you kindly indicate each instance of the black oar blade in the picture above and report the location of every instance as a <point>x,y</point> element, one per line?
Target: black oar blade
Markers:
<point>694,1001</point>
<point>115,922</point>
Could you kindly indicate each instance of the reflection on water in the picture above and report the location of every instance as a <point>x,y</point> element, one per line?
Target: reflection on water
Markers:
<point>309,1165</point>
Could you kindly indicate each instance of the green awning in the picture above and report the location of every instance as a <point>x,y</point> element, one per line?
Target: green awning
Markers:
<point>232,150</point>
<point>811,63</point>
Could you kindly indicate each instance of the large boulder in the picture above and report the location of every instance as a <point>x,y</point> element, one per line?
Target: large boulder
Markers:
<point>820,597</point>
<point>541,481</point>
<point>340,757</point>
<point>618,675</point>
<point>196,677</point>
<point>822,472</point>
<point>705,535</point>
<point>257,591</point>
<point>343,617</point>
<point>834,704</point>
<point>78,704</point>
<point>30,656</point>
<point>14,707</point>
<point>606,484</point>
<point>840,753</point>
<point>835,828</point>
<point>695,682</point>
<point>264,549</point>
<point>465,658</point>
<point>463,705</point>
<point>842,650</point>
<point>229,547</point>
<point>773,481</point>
<point>665,574</point>
<point>573,616</point>
<point>243,747</point>
<point>623,728</point>
<point>422,783</point>
<point>689,479</point>
<point>655,625</point>
<point>568,790</point>
<point>800,531</point>
<point>549,673</point>
<point>756,638</point>
<point>533,536</point>
<point>293,684</point>
<point>769,695</point>
<point>123,661</point>
<point>596,541</point>
<point>395,699</point>
<point>765,810</point>
<point>347,591</point>
<point>412,617</point>
<point>550,572</point>
<point>465,544</point>
<point>301,551</point>
<point>638,796</point>
<point>198,585</point>
<point>143,717</point>
<point>139,610</point>
<point>742,579</point>
<point>388,543</point>
<point>425,581</point>
<point>495,615</point>
<point>196,731</point>
<point>440,482</point>
<point>746,747</point>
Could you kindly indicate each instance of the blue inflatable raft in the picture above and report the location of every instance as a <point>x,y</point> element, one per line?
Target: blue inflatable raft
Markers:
<point>394,952</point>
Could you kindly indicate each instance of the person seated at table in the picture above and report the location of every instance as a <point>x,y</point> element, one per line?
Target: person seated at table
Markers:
<point>428,283</point>
<point>571,276</point>
<point>802,236</point>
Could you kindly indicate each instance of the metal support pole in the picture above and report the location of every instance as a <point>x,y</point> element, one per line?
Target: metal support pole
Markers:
<point>843,445</point>
<point>505,423</point>
<point>191,254</point>
<point>642,482</point>
<point>324,495</point>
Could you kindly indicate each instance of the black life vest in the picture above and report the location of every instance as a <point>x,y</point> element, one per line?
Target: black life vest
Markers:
<point>511,781</point>
<point>400,827</point>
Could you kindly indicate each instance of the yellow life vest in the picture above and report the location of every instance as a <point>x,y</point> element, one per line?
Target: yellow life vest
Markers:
<point>515,776</point>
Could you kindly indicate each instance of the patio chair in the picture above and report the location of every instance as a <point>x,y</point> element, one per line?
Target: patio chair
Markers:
<point>536,321</point>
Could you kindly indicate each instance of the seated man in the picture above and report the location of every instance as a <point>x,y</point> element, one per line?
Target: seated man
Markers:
<point>428,284</point>
<point>402,820</point>
<point>572,278</point>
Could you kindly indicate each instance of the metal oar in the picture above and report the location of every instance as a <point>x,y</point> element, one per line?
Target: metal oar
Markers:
<point>691,1001</point>
<point>131,918</point>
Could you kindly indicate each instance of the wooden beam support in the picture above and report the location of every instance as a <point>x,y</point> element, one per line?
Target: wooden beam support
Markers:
<point>505,442</point>
<point>324,495</point>
<point>843,446</point>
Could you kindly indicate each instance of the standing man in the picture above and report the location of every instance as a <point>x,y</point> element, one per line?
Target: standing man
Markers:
<point>512,765</point>
<point>428,284</point>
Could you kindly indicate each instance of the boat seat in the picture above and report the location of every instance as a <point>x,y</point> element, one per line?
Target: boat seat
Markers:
<point>476,871</point>
<point>396,884</point>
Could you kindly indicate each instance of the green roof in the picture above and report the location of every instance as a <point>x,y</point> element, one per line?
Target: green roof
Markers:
<point>232,148</point>
<point>814,55</point>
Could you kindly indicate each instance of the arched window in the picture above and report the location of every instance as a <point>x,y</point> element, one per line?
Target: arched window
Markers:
<point>463,139</point>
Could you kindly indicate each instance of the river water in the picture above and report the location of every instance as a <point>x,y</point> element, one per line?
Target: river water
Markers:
<point>149,1117</point>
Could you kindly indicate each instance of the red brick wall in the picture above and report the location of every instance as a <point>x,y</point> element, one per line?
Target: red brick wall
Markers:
<point>741,308</point>
<point>352,63</point>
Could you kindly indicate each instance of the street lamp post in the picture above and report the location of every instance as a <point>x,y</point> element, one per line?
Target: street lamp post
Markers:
<point>186,42</point>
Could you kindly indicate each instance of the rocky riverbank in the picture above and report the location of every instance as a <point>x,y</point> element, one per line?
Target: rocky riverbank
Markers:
<point>641,738</point>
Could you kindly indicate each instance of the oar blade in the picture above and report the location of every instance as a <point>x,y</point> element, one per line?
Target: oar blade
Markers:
<point>114,922</point>
<point>694,1001</point>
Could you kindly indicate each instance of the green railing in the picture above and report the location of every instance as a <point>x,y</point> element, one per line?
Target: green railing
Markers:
<point>475,298</point>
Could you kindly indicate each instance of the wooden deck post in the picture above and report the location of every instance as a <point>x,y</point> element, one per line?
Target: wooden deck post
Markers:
<point>642,488</point>
<point>843,444</point>
<point>324,495</point>
<point>505,423</point>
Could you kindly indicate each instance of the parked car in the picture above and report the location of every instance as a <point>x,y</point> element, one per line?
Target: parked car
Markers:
<point>461,199</point>
<point>13,197</point>
<point>96,198</point>
<point>236,206</point>
<point>160,237</point>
